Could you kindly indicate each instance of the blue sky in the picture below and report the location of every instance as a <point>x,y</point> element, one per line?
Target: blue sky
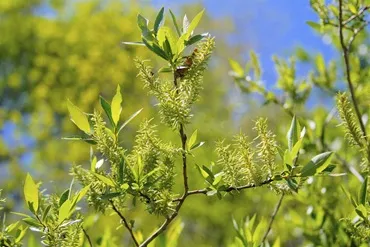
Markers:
<point>267,26</point>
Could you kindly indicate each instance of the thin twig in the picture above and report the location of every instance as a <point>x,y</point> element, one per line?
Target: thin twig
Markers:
<point>185,178</point>
<point>229,189</point>
<point>346,49</point>
<point>125,223</point>
<point>276,210</point>
<point>355,16</point>
<point>87,237</point>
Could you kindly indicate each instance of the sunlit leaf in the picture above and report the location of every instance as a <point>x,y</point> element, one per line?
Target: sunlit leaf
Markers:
<point>78,117</point>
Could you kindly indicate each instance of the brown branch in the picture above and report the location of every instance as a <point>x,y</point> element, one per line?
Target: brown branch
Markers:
<point>346,50</point>
<point>276,210</point>
<point>229,189</point>
<point>355,16</point>
<point>181,200</point>
<point>125,223</point>
<point>87,237</point>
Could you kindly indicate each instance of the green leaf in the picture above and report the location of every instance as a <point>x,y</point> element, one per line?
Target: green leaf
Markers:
<point>158,20</point>
<point>93,164</point>
<point>293,133</point>
<point>317,164</point>
<point>236,67</point>
<point>32,222</point>
<point>112,195</point>
<point>78,117</point>
<point>139,43</point>
<point>107,109</point>
<point>361,211</point>
<point>105,179</point>
<point>129,119</point>
<point>79,138</point>
<point>63,197</point>
<point>256,65</point>
<point>166,33</point>
<point>31,194</point>
<point>142,22</point>
<point>192,139</point>
<point>293,185</point>
<point>125,186</point>
<point>116,105</point>
<point>314,25</point>
<point>353,201</point>
<point>363,192</point>
<point>196,38</point>
<point>46,212</point>
<point>352,8</point>
<point>156,49</point>
<point>12,226</point>
<point>194,23</point>
<point>165,69</point>
<point>64,211</point>
<point>175,24</point>
<point>196,145</point>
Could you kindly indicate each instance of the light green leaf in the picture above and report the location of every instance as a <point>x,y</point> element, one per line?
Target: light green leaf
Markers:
<point>194,23</point>
<point>139,43</point>
<point>196,145</point>
<point>93,164</point>
<point>129,119</point>
<point>361,211</point>
<point>166,32</point>
<point>32,222</point>
<point>293,133</point>
<point>64,211</point>
<point>116,105</point>
<point>78,117</point>
<point>236,67</point>
<point>314,25</point>
<point>192,139</point>
<point>317,164</point>
<point>105,179</point>
<point>31,193</point>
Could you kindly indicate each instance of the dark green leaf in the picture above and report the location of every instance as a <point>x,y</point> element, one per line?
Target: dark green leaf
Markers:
<point>196,145</point>
<point>63,197</point>
<point>112,195</point>
<point>158,20</point>
<point>317,164</point>
<point>156,49</point>
<point>175,23</point>
<point>196,38</point>
<point>293,185</point>
<point>142,22</point>
<point>363,192</point>
<point>46,212</point>
<point>107,109</point>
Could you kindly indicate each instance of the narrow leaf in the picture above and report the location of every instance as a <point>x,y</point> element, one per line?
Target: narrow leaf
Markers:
<point>129,119</point>
<point>193,139</point>
<point>116,105</point>
<point>105,179</point>
<point>317,164</point>
<point>78,117</point>
<point>31,193</point>
<point>194,23</point>
<point>196,38</point>
<point>363,192</point>
<point>158,20</point>
<point>175,24</point>
<point>64,211</point>
<point>107,109</point>
<point>139,43</point>
<point>293,133</point>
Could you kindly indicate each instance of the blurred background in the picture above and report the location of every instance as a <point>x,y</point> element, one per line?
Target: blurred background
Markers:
<point>59,49</point>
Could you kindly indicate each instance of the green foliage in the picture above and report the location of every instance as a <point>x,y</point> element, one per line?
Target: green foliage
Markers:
<point>153,174</point>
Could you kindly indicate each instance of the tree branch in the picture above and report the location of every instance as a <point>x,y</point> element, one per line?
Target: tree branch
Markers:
<point>346,50</point>
<point>87,237</point>
<point>276,210</point>
<point>185,178</point>
<point>125,223</point>
<point>229,189</point>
